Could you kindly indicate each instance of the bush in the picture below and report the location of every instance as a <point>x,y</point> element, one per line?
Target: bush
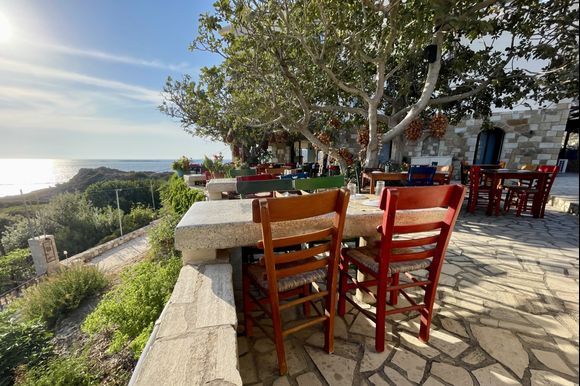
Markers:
<point>179,197</point>
<point>16,235</point>
<point>61,372</point>
<point>131,309</point>
<point>21,343</point>
<point>15,268</point>
<point>162,238</point>
<point>138,217</point>
<point>133,192</point>
<point>58,295</point>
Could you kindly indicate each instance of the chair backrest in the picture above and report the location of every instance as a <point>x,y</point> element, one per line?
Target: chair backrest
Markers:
<point>272,210</point>
<point>319,183</point>
<point>421,175</point>
<point>259,177</point>
<point>267,186</point>
<point>274,171</point>
<point>553,170</point>
<point>294,176</point>
<point>425,238</point>
<point>242,172</point>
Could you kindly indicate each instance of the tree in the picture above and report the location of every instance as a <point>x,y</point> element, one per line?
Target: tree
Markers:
<point>301,60</point>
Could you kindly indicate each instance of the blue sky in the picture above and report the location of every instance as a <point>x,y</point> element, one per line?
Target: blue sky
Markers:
<point>83,79</point>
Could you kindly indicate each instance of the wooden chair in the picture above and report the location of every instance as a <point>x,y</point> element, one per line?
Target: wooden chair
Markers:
<point>480,189</point>
<point>243,172</point>
<point>522,194</point>
<point>384,262</point>
<point>286,275</point>
<point>445,169</point>
<point>421,175</point>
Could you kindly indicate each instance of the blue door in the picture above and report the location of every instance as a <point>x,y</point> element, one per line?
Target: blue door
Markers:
<point>488,148</point>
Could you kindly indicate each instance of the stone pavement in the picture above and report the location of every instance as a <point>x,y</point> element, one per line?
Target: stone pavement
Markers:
<point>564,194</point>
<point>507,314</point>
<point>125,254</point>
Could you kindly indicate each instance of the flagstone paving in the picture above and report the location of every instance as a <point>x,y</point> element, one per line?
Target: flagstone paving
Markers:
<point>507,314</point>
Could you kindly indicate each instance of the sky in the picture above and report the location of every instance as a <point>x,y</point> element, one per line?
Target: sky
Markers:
<point>83,79</point>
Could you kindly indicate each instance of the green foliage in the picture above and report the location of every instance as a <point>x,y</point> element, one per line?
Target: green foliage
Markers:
<point>60,371</point>
<point>15,268</point>
<point>76,224</point>
<point>216,164</point>
<point>181,164</point>
<point>162,238</point>
<point>133,193</point>
<point>138,217</point>
<point>131,309</point>
<point>21,343</point>
<point>58,295</point>
<point>179,197</point>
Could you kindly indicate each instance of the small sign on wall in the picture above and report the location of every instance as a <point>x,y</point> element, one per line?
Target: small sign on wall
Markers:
<point>49,251</point>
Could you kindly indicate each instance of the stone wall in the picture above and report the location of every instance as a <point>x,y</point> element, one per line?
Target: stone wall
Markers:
<point>531,137</point>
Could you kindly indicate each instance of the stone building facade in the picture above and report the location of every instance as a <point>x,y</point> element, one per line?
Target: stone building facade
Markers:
<point>522,137</point>
<point>527,137</point>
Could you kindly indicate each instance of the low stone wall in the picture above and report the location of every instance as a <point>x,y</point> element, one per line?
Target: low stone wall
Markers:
<point>194,340</point>
<point>90,254</point>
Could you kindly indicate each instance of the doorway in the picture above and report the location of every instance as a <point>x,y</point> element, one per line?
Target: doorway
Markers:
<point>488,147</point>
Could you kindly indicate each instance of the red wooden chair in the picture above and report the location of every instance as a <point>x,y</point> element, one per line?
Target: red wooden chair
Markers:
<point>479,188</point>
<point>523,194</point>
<point>286,275</point>
<point>384,262</point>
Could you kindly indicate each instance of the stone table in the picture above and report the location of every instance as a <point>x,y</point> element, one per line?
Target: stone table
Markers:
<point>209,226</point>
<point>194,179</point>
<point>216,186</point>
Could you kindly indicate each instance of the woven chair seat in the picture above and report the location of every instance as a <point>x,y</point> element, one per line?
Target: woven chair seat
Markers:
<point>258,272</point>
<point>368,256</point>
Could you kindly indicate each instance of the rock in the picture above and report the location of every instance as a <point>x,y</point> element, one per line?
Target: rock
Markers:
<point>454,375</point>
<point>308,379</point>
<point>431,381</point>
<point>413,364</point>
<point>454,326</point>
<point>503,346</point>
<point>494,375</point>
<point>248,369</point>
<point>394,376</point>
<point>335,369</point>
<point>475,357</point>
<point>413,342</point>
<point>372,360</point>
<point>552,361</point>
<point>546,378</point>
<point>447,343</point>
<point>282,381</point>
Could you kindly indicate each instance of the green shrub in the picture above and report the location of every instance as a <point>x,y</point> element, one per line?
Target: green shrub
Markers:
<point>60,294</point>
<point>133,192</point>
<point>21,343</point>
<point>15,268</point>
<point>179,197</point>
<point>139,216</point>
<point>60,371</point>
<point>131,309</point>
<point>162,238</point>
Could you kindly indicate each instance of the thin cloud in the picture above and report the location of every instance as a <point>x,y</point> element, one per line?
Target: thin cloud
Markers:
<point>43,72</point>
<point>114,58</point>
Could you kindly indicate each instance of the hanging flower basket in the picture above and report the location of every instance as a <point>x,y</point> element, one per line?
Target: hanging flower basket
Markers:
<point>438,125</point>
<point>415,129</point>
<point>347,155</point>
<point>363,137</point>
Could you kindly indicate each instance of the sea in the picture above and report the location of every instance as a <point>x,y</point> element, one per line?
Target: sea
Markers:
<point>27,175</point>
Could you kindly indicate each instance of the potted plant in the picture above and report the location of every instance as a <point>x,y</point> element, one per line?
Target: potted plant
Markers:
<point>181,166</point>
<point>216,166</point>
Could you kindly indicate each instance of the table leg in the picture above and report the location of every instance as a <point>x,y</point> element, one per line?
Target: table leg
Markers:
<point>492,193</point>
<point>362,296</point>
<point>372,185</point>
<point>539,197</point>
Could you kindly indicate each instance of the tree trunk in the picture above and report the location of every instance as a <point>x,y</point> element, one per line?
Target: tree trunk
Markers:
<point>372,156</point>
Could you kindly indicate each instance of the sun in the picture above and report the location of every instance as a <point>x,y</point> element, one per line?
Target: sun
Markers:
<point>5,29</point>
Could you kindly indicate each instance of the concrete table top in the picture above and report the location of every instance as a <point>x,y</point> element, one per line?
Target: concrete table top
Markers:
<point>218,185</point>
<point>228,223</point>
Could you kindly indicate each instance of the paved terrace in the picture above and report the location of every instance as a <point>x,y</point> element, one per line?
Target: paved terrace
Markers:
<point>507,314</point>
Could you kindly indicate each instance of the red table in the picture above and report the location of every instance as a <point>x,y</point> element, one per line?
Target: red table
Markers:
<point>494,175</point>
<point>441,178</point>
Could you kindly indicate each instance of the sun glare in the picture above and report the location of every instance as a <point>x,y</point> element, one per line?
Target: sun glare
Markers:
<point>5,29</point>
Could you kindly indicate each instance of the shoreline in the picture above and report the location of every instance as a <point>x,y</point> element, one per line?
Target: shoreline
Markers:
<point>79,182</point>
